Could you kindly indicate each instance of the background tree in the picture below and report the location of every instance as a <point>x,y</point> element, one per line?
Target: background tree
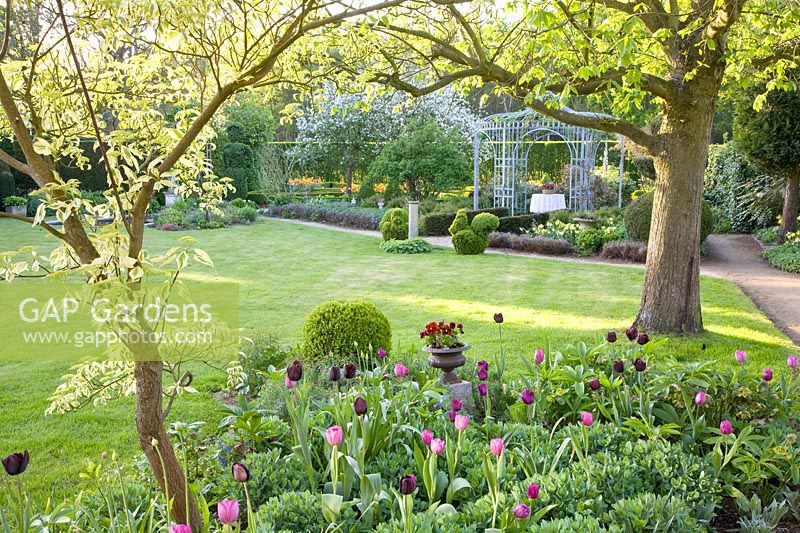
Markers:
<point>424,160</point>
<point>770,136</point>
<point>345,132</point>
<point>673,53</point>
<point>137,59</point>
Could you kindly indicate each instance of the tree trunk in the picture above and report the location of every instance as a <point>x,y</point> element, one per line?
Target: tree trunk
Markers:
<point>791,205</point>
<point>154,441</point>
<point>348,177</point>
<point>671,294</point>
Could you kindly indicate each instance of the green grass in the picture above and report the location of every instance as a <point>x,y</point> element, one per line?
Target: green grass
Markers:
<point>285,270</point>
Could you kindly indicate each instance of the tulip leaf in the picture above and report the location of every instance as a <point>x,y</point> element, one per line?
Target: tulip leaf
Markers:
<point>331,506</point>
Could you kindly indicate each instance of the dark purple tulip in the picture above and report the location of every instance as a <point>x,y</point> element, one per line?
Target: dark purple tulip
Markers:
<point>642,339</point>
<point>452,415</point>
<point>498,317</point>
<point>527,397</point>
<point>349,370</point>
<point>632,334</point>
<point>360,406</point>
<point>456,404</point>
<point>240,473</point>
<point>483,390</point>
<point>611,336</point>
<point>483,370</point>
<point>408,484</point>
<point>295,371</point>
<point>594,384</point>
<point>16,463</point>
<point>640,365</point>
<point>334,373</point>
<point>619,366</point>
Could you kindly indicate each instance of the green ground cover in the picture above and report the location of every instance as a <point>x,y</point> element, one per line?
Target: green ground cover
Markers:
<point>285,270</point>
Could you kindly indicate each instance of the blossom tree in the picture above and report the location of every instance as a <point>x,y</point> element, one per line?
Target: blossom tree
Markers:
<point>145,82</point>
<point>673,54</point>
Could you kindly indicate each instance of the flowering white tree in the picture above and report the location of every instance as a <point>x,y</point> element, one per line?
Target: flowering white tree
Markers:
<point>347,131</point>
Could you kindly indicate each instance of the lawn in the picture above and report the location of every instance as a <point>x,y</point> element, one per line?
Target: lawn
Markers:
<point>285,270</point>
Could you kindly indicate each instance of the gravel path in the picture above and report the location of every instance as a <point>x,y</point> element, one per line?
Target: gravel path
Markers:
<point>733,257</point>
<point>777,293</point>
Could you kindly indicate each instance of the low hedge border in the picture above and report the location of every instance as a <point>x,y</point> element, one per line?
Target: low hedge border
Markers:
<point>319,213</point>
<point>438,224</point>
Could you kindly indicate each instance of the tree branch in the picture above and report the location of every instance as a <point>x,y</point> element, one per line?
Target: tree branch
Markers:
<point>30,220</point>
<point>14,163</point>
<point>109,170</point>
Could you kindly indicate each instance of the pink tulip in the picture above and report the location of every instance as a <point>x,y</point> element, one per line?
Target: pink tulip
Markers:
<point>700,398</point>
<point>228,511</point>
<point>792,361</point>
<point>725,427</point>
<point>496,446</point>
<point>538,356</point>
<point>400,370</point>
<point>437,446</point>
<point>522,511</point>
<point>427,437</point>
<point>587,418</point>
<point>533,491</point>
<point>334,435</point>
<point>180,528</point>
<point>741,356</point>
<point>289,383</point>
<point>461,422</point>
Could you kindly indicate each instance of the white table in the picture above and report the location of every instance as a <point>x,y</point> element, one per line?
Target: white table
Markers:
<point>544,203</point>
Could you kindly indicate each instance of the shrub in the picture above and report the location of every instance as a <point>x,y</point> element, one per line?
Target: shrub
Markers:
<point>639,213</point>
<point>786,257</point>
<point>540,245</point>
<point>635,251</point>
<point>767,235</point>
<point>247,213</point>
<point>517,224</point>
<point>460,223</point>
<point>484,223</point>
<point>500,239</point>
<point>438,224</point>
<point>258,198</point>
<point>170,216</point>
<point>467,242</point>
<point>14,201</point>
<point>342,328</point>
<point>394,224</point>
<point>238,202</point>
<point>416,245</point>
<point>590,241</point>
<point>257,354</point>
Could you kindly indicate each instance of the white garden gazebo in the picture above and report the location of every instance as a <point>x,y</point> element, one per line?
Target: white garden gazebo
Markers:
<point>511,137</point>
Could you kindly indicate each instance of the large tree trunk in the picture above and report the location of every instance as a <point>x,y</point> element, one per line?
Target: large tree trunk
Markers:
<point>671,294</point>
<point>154,441</point>
<point>791,205</point>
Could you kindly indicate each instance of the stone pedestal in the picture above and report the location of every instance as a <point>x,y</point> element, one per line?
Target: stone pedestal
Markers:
<point>462,391</point>
<point>413,219</point>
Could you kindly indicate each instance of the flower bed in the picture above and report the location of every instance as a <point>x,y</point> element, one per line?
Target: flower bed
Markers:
<point>584,439</point>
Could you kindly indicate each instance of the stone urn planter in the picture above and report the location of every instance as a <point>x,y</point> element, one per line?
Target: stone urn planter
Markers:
<point>17,210</point>
<point>586,223</point>
<point>447,360</point>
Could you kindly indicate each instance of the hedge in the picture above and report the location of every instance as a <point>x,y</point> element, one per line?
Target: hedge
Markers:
<point>516,224</point>
<point>325,215</point>
<point>438,224</point>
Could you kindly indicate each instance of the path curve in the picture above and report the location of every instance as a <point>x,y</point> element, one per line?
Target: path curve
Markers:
<point>775,292</point>
<point>733,257</point>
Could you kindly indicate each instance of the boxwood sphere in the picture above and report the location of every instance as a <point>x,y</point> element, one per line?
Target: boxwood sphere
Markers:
<point>394,224</point>
<point>342,328</point>
<point>467,242</point>
<point>638,216</point>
